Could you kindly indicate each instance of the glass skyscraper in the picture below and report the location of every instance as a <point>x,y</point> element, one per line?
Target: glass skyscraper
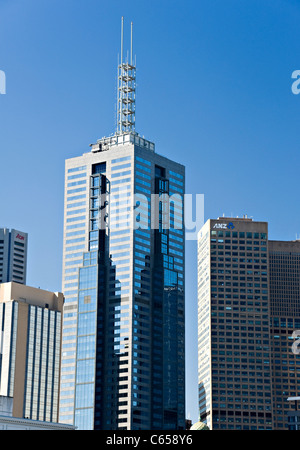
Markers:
<point>123,349</point>
<point>123,343</point>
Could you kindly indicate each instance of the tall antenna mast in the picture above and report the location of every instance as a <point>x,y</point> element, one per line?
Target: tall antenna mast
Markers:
<point>131,43</point>
<point>122,39</point>
<point>126,88</point>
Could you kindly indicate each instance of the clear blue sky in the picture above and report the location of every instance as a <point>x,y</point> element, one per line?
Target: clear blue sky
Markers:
<point>214,93</point>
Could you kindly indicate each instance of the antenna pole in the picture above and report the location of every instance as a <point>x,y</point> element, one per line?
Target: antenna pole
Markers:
<point>122,38</point>
<point>131,43</point>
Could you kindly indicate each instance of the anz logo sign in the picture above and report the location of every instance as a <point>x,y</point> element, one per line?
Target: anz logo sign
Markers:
<point>225,226</point>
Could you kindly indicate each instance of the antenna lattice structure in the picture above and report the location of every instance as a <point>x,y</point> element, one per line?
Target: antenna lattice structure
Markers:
<point>126,90</point>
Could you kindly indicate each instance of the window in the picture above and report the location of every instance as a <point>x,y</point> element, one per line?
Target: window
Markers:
<point>125,158</point>
<point>144,161</point>
<point>99,168</point>
<point>176,174</point>
<point>160,172</point>
<point>76,169</point>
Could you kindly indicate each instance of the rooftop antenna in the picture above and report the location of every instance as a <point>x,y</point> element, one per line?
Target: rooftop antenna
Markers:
<point>131,43</point>
<point>122,40</point>
<point>126,88</point>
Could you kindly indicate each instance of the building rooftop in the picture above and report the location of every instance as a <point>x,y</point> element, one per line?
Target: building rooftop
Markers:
<point>106,143</point>
<point>245,217</point>
<point>33,296</point>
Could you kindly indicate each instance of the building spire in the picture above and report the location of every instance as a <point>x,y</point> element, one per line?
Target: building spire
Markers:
<point>126,88</point>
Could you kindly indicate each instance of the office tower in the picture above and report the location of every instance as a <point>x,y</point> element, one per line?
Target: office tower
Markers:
<point>293,418</point>
<point>234,358</point>
<point>30,344</point>
<point>123,352</point>
<point>284,276</point>
<point>13,256</point>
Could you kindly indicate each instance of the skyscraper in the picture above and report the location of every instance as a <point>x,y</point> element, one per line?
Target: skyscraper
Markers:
<point>13,256</point>
<point>123,357</point>
<point>248,311</point>
<point>284,276</point>
<point>234,356</point>
<point>30,339</point>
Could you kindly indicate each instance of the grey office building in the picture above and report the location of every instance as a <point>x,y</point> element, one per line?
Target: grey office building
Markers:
<point>284,276</point>
<point>123,348</point>
<point>13,256</point>
<point>248,311</point>
<point>234,351</point>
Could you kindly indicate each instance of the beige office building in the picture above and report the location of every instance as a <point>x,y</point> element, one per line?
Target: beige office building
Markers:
<point>30,344</point>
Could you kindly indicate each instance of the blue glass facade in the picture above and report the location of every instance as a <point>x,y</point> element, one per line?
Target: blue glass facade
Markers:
<point>168,321</point>
<point>129,296</point>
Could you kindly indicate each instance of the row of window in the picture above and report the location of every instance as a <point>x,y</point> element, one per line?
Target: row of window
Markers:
<point>241,234</point>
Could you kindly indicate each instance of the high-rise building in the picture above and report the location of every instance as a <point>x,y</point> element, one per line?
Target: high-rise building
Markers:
<point>293,418</point>
<point>123,350</point>
<point>284,276</point>
<point>234,355</point>
<point>248,311</point>
<point>13,256</point>
<point>30,344</point>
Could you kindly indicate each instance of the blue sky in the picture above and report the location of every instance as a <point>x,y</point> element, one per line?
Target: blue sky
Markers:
<point>214,93</point>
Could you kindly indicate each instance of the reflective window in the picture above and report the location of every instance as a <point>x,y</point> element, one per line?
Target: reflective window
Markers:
<point>76,169</point>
